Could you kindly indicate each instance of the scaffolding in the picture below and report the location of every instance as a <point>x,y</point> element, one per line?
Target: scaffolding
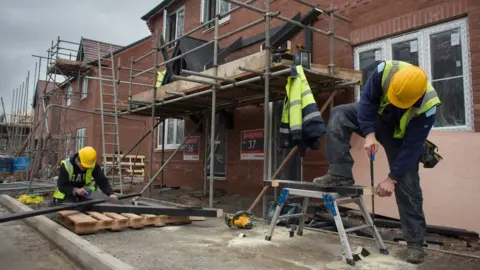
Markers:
<point>201,94</point>
<point>61,69</point>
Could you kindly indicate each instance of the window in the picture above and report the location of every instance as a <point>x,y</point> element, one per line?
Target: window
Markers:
<point>84,88</point>
<point>173,24</point>
<point>69,95</point>
<point>80,139</point>
<point>208,11</point>
<point>442,51</point>
<point>220,149</point>
<point>174,133</point>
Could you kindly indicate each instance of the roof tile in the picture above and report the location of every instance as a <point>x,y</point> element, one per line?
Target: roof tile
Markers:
<point>90,49</point>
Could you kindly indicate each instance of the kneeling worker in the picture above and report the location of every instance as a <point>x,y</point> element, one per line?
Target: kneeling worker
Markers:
<point>396,109</point>
<point>75,178</point>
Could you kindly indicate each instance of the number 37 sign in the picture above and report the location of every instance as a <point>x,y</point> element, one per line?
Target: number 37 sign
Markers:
<point>252,144</point>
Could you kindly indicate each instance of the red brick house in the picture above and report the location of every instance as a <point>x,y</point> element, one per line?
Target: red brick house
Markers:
<point>441,36</point>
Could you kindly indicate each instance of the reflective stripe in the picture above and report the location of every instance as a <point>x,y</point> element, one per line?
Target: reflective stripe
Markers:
<point>392,72</point>
<point>295,102</point>
<point>295,127</point>
<point>310,116</point>
<point>428,96</point>
<point>306,92</point>
<point>284,130</point>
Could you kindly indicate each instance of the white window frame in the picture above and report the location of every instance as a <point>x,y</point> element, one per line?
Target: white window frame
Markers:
<point>202,12</point>
<point>165,22</point>
<point>80,139</point>
<point>176,144</point>
<point>69,95</point>
<point>84,88</point>
<point>423,36</point>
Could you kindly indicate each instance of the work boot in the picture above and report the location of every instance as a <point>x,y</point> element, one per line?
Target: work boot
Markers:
<point>329,180</point>
<point>415,254</point>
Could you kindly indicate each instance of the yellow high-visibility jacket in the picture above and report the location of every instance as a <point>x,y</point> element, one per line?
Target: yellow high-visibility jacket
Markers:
<point>301,123</point>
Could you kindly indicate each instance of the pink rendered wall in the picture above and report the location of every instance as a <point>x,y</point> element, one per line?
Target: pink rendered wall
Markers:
<point>451,190</point>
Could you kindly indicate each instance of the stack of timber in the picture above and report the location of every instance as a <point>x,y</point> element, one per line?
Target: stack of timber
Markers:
<point>130,164</point>
<point>92,222</point>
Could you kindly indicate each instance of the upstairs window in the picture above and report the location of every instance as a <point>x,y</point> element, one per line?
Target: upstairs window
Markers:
<point>173,24</point>
<point>208,11</point>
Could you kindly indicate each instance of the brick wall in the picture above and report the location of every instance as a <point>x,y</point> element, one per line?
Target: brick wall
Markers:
<point>371,20</point>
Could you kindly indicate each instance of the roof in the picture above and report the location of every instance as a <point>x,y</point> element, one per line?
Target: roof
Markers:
<point>129,46</point>
<point>156,9</point>
<point>88,51</point>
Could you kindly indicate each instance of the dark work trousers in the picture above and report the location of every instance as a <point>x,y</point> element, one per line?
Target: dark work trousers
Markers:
<point>342,123</point>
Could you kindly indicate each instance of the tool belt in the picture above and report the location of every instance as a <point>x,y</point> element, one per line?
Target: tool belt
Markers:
<point>430,157</point>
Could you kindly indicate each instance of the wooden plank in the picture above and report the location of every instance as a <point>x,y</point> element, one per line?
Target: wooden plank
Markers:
<point>344,73</point>
<point>194,218</point>
<point>78,222</point>
<point>104,222</point>
<point>342,190</point>
<point>176,220</point>
<point>119,222</point>
<point>134,221</point>
<point>153,220</point>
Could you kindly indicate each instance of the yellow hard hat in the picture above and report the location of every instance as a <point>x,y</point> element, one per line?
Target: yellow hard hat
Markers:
<point>88,157</point>
<point>407,86</point>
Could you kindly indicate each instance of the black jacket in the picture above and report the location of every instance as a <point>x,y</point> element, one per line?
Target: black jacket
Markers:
<point>78,179</point>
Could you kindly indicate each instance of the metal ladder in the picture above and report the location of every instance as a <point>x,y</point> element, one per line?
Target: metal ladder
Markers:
<point>331,203</point>
<point>110,131</point>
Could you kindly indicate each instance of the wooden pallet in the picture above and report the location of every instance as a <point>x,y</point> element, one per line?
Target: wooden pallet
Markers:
<point>92,222</point>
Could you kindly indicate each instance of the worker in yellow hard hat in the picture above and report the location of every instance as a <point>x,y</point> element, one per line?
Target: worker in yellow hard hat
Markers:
<point>79,176</point>
<point>397,110</point>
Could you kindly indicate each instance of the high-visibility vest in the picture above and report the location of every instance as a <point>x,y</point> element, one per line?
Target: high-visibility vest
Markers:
<point>69,167</point>
<point>299,110</point>
<point>430,99</point>
<point>160,76</point>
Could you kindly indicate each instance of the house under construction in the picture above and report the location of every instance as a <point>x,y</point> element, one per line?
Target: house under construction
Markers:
<point>197,82</point>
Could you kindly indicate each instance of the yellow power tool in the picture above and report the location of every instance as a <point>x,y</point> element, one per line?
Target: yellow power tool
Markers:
<point>241,220</point>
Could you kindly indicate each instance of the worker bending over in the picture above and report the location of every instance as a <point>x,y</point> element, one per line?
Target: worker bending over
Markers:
<point>75,180</point>
<point>396,109</point>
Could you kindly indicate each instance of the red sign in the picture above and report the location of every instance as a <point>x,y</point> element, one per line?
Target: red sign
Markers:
<point>252,144</point>
<point>191,149</point>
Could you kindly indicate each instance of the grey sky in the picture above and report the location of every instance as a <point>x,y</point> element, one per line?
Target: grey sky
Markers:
<point>28,27</point>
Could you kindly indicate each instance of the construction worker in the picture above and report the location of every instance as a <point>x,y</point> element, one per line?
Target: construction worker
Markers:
<point>397,110</point>
<point>75,180</point>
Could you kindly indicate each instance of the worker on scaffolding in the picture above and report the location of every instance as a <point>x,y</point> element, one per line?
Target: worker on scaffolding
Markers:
<point>397,110</point>
<point>75,181</point>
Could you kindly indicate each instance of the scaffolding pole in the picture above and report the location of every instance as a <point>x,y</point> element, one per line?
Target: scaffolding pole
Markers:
<point>152,123</point>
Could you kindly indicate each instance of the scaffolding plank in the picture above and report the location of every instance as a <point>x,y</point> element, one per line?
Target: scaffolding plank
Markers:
<point>316,76</point>
<point>345,73</point>
<point>228,70</point>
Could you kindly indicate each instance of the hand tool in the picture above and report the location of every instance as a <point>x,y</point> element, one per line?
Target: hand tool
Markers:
<point>372,159</point>
<point>241,219</point>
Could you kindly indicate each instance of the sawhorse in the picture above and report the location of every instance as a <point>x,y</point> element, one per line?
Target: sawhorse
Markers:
<point>331,202</point>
